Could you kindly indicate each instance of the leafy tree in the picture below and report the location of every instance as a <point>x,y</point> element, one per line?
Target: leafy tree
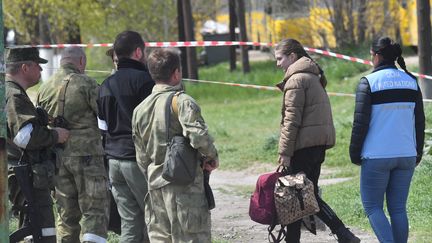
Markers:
<point>59,21</point>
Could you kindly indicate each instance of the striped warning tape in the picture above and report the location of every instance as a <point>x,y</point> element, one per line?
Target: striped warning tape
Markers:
<point>340,56</point>
<point>61,45</point>
<point>252,86</point>
<point>154,44</point>
<point>261,87</point>
<point>215,43</point>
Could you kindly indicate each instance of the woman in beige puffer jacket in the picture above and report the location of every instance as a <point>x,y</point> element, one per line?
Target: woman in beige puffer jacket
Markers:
<point>307,128</point>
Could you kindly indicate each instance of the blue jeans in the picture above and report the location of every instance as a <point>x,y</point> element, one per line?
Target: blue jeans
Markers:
<point>391,177</point>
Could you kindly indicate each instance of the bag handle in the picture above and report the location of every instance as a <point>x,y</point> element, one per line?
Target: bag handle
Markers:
<point>171,102</point>
<point>168,115</point>
<point>284,170</point>
<point>281,235</point>
<point>62,95</point>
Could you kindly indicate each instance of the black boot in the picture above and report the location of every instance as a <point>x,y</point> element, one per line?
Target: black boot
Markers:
<point>344,235</point>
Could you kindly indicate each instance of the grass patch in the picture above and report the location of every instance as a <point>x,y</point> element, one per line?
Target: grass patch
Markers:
<point>236,190</point>
<point>344,198</point>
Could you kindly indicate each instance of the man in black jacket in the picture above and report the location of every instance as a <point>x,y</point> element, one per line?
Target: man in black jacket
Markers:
<point>119,94</point>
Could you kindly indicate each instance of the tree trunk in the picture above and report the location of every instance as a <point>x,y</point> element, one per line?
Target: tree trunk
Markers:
<point>74,33</point>
<point>243,35</point>
<point>4,214</point>
<point>44,36</point>
<point>361,22</point>
<point>424,46</point>
<point>189,34</point>
<point>181,37</point>
<point>337,20</point>
<point>350,24</point>
<point>232,25</point>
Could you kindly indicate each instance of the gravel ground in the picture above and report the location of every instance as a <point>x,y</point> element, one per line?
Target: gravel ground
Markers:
<point>230,218</point>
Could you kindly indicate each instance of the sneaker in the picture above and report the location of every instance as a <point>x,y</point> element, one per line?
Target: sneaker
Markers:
<point>344,235</point>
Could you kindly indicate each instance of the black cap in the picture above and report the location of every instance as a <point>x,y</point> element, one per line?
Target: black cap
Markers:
<point>24,54</point>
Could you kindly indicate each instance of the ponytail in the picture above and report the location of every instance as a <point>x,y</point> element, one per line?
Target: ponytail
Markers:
<point>323,79</point>
<point>400,60</point>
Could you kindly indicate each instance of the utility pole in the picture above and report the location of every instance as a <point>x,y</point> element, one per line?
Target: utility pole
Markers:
<point>243,35</point>
<point>232,25</point>
<point>181,37</point>
<point>4,222</point>
<point>189,34</point>
<point>424,46</point>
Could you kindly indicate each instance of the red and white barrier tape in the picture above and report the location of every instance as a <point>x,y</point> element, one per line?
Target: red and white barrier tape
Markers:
<point>261,87</point>
<point>155,44</point>
<point>340,56</point>
<point>215,43</point>
<point>355,59</point>
<point>252,86</point>
<point>61,45</point>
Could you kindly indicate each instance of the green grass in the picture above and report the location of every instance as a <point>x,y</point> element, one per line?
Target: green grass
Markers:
<point>345,200</point>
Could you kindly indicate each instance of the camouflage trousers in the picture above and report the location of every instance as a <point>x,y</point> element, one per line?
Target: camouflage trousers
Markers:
<point>43,206</point>
<point>82,195</point>
<point>129,188</point>
<point>43,200</point>
<point>177,213</point>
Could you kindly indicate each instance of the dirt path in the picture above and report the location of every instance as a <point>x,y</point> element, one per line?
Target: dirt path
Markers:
<point>230,218</point>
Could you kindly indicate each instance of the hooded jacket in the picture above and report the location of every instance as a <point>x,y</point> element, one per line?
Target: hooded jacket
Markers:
<point>306,113</point>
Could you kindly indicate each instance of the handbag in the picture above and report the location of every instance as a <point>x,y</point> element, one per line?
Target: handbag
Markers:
<point>262,205</point>
<point>294,198</point>
<point>180,164</point>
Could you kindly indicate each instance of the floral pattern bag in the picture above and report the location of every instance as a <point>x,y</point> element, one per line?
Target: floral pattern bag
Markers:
<point>294,198</point>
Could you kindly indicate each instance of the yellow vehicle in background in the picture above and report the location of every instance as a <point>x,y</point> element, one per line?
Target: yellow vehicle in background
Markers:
<point>309,21</point>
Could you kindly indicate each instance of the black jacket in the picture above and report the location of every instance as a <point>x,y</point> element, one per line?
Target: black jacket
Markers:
<point>118,96</point>
<point>362,116</point>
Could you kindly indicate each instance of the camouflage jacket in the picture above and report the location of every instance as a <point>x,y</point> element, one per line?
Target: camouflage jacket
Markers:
<point>149,133</point>
<point>20,112</point>
<point>80,110</point>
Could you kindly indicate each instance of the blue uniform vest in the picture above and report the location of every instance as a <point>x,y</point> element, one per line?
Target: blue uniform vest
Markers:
<point>391,131</point>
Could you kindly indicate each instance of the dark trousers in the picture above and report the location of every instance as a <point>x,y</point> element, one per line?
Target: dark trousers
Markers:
<point>309,161</point>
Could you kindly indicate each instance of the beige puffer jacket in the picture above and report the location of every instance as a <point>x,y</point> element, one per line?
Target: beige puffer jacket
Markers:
<point>306,113</point>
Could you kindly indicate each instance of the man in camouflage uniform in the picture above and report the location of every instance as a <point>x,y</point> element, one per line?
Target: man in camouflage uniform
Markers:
<point>29,138</point>
<point>177,213</point>
<point>81,183</point>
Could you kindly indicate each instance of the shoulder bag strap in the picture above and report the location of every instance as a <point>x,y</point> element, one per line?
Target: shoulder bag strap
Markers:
<point>168,114</point>
<point>174,103</point>
<point>62,95</point>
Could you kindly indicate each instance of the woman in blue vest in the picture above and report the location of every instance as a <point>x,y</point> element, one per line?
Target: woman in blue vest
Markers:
<point>387,139</point>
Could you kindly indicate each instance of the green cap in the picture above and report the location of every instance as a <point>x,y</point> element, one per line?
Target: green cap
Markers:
<point>24,54</point>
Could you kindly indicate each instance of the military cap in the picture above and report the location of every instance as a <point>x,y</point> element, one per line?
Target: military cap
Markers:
<point>24,54</point>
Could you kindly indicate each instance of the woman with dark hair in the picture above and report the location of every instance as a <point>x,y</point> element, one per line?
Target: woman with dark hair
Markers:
<point>387,139</point>
<point>307,129</point>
